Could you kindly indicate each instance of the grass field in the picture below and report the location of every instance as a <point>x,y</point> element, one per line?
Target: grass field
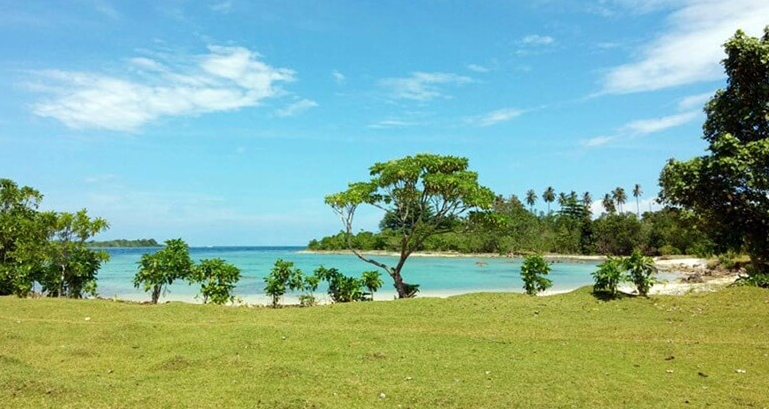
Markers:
<point>473,351</point>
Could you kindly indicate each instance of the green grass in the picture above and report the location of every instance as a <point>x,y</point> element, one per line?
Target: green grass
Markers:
<point>472,351</point>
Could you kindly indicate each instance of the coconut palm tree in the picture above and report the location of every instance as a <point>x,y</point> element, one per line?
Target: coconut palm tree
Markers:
<point>531,198</point>
<point>587,200</point>
<point>548,196</point>
<point>608,204</point>
<point>637,192</point>
<point>562,199</point>
<point>620,197</point>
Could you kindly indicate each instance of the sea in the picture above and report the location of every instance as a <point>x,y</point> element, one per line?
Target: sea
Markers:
<point>437,276</point>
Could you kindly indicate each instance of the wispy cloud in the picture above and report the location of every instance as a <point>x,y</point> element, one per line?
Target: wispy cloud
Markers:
<point>689,50</point>
<point>477,68</point>
<point>422,86</point>
<point>536,39</point>
<point>391,123</point>
<point>597,141</point>
<point>648,126</point>
<point>495,117</point>
<point>222,6</point>
<point>224,79</point>
<point>695,101</point>
<point>296,108</point>
<point>338,77</point>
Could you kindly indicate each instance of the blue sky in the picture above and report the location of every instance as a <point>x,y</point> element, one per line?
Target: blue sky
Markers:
<point>226,122</point>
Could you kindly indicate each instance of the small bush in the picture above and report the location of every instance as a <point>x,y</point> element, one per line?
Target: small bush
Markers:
<point>668,250</point>
<point>533,272</point>
<point>608,276</point>
<point>641,271</point>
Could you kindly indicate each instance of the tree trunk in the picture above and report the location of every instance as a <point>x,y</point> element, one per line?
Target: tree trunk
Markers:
<point>399,285</point>
<point>61,280</point>
<point>155,294</point>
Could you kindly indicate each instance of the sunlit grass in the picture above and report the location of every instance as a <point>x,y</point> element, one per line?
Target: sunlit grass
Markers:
<point>473,351</point>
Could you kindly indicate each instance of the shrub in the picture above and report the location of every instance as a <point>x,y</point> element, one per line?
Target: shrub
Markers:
<point>608,276</point>
<point>341,288</point>
<point>641,271</point>
<point>533,272</point>
<point>283,277</point>
<point>217,279</point>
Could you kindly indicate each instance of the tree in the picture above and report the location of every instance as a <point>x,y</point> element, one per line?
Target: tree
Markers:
<point>533,272</point>
<point>548,196</point>
<point>217,279</point>
<point>608,204</point>
<point>72,267</point>
<point>283,277</point>
<point>637,192</point>
<point>562,198</point>
<point>372,280</point>
<point>531,199</point>
<point>619,197</point>
<point>587,199</point>
<point>410,187</point>
<point>728,189</point>
<point>24,235</point>
<point>162,268</point>
<point>641,271</point>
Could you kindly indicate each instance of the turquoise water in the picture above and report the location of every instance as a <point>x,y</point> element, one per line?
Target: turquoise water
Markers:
<point>437,276</point>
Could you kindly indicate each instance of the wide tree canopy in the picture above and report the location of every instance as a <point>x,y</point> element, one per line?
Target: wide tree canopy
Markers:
<point>421,194</point>
<point>728,189</point>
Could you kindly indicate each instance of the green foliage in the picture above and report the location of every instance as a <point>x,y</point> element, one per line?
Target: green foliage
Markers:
<point>372,280</point>
<point>217,280</point>
<point>618,234</point>
<point>164,267</point>
<point>533,272</point>
<point>609,275</point>
<point>422,195</point>
<point>641,271</point>
<point>728,189</point>
<point>341,288</point>
<point>282,278</point>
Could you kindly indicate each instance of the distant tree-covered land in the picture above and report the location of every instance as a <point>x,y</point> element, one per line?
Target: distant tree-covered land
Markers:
<point>125,243</point>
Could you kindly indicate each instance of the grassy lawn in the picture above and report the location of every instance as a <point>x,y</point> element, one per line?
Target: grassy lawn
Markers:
<point>472,351</point>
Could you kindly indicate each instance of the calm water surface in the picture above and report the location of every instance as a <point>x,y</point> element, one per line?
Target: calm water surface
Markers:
<point>438,276</point>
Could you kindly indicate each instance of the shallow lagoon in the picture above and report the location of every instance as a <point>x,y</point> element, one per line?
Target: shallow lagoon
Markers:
<point>437,276</point>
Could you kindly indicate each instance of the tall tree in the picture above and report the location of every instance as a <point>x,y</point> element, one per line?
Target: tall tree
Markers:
<point>587,199</point>
<point>608,204</point>
<point>531,198</point>
<point>562,198</point>
<point>729,187</point>
<point>637,192</point>
<point>548,196</point>
<point>409,187</point>
<point>620,197</point>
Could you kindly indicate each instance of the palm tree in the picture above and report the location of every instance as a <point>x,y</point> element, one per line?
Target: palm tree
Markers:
<point>620,197</point>
<point>587,199</point>
<point>573,196</point>
<point>637,192</point>
<point>608,204</point>
<point>562,199</point>
<point>531,198</point>
<point>548,196</point>
<point>371,280</point>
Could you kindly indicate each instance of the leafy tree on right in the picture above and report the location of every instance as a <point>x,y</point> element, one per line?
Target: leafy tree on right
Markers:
<point>728,189</point>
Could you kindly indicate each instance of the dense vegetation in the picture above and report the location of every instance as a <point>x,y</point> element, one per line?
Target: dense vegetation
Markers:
<point>472,351</point>
<point>124,243</point>
<point>569,230</point>
<point>45,248</point>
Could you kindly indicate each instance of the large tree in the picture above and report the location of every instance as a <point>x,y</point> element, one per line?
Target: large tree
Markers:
<point>410,187</point>
<point>637,192</point>
<point>549,197</point>
<point>728,188</point>
<point>531,198</point>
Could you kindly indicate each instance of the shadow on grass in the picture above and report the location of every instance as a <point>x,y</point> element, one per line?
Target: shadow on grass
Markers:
<point>608,296</point>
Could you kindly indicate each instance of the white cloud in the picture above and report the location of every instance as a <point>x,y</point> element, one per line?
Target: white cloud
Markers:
<point>227,78</point>
<point>422,86</point>
<point>690,49</point>
<point>222,7</point>
<point>536,39</point>
<point>495,117</point>
<point>597,141</point>
<point>338,77</point>
<point>477,68</point>
<point>647,126</point>
<point>391,123</point>
<point>694,101</point>
<point>296,108</point>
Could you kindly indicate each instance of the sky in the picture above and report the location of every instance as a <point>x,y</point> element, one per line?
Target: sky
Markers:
<point>227,122</point>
